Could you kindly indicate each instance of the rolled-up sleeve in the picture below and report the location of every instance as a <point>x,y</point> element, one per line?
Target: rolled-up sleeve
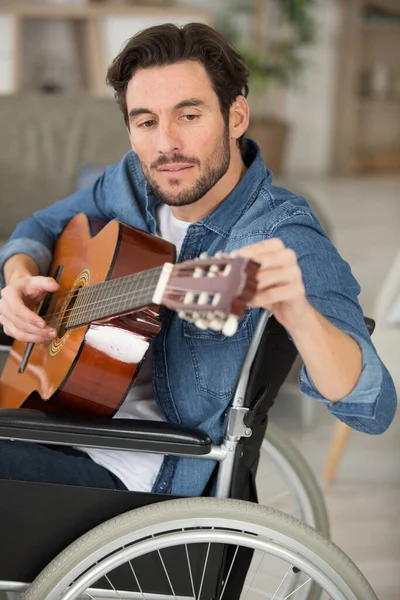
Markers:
<point>333,291</point>
<point>36,250</point>
<point>371,405</point>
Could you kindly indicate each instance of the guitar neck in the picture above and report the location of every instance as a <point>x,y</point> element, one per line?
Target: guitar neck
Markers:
<point>113,297</point>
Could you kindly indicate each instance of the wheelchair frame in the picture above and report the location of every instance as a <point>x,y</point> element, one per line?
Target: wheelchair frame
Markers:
<point>248,405</point>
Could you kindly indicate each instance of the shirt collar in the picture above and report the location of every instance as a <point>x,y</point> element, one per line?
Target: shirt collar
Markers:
<point>223,218</point>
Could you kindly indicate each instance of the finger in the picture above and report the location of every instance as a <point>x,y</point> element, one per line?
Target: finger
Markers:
<point>35,328</point>
<point>281,258</point>
<point>267,278</point>
<point>39,284</point>
<point>13,307</point>
<point>22,336</point>
<point>15,310</point>
<point>267,298</point>
<point>265,246</point>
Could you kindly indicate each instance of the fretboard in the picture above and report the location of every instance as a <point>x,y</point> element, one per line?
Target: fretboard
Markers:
<point>113,297</point>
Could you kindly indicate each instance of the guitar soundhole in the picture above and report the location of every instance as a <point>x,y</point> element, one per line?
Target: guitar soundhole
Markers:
<point>68,313</point>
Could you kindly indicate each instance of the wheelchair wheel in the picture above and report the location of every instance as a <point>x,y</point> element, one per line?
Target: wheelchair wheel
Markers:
<point>203,530</point>
<point>287,483</point>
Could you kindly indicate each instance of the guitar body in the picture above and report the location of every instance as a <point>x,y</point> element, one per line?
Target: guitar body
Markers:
<point>89,369</point>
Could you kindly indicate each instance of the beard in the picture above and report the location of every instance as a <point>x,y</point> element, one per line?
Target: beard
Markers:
<point>215,168</point>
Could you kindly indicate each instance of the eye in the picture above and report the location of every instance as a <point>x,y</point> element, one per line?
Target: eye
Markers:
<point>146,124</point>
<point>191,117</point>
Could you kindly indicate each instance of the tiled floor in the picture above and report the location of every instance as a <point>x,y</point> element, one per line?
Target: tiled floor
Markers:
<point>364,501</point>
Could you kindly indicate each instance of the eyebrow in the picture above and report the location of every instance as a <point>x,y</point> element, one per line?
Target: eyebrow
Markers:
<point>135,112</point>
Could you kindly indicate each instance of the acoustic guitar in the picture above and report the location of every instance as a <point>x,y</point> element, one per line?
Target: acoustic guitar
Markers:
<point>113,281</point>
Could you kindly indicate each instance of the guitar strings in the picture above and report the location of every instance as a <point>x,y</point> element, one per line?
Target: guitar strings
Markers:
<point>131,277</point>
<point>107,288</point>
<point>101,303</point>
<point>132,294</point>
<point>80,311</point>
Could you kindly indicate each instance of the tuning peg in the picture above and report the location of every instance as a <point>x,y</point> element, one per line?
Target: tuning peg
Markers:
<point>227,270</point>
<point>230,326</point>
<point>186,315</point>
<point>216,324</point>
<point>203,298</point>
<point>213,271</point>
<point>201,323</point>
<point>216,299</point>
<point>203,255</point>
<point>219,254</point>
<point>189,297</point>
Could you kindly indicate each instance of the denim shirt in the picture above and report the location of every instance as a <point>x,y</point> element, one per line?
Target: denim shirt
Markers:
<point>195,371</point>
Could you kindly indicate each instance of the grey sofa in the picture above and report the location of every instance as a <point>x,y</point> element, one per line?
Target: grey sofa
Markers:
<point>44,143</point>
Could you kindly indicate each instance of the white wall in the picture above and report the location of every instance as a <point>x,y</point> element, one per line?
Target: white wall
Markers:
<point>6,53</point>
<point>310,108</point>
<point>117,30</point>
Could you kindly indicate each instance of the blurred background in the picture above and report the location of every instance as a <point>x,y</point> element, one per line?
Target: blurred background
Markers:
<point>325,101</point>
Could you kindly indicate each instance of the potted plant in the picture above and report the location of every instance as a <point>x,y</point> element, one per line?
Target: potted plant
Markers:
<point>270,34</point>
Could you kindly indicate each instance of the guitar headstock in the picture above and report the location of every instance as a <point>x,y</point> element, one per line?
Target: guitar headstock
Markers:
<point>211,291</point>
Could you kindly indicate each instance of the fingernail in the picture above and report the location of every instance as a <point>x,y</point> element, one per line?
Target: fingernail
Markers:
<point>40,324</point>
<point>52,333</point>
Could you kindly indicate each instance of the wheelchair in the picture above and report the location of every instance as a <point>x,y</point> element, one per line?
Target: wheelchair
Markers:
<point>66,542</point>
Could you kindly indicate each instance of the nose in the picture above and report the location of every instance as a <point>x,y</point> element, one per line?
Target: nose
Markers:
<point>168,139</point>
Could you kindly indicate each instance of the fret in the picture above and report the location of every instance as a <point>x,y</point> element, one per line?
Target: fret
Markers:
<point>112,297</point>
<point>127,286</point>
<point>82,300</point>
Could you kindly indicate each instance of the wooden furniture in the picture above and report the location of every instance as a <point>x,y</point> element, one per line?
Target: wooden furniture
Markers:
<point>341,435</point>
<point>367,119</point>
<point>93,24</point>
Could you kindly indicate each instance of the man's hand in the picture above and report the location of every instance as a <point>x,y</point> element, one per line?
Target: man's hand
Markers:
<point>333,358</point>
<point>17,304</point>
<point>280,284</point>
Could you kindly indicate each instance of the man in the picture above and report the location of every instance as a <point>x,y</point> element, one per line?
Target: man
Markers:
<point>193,179</point>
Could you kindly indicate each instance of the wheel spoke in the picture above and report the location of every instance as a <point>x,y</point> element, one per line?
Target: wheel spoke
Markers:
<point>297,589</point>
<point>282,582</point>
<point>254,576</point>
<point>190,572</point>
<point>229,572</point>
<point>204,569</point>
<point>113,587</point>
<point>166,573</point>
<point>137,580</point>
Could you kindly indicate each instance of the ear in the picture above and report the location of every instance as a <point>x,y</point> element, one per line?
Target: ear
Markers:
<point>239,117</point>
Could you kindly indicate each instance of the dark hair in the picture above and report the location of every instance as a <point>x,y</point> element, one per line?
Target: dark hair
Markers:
<point>168,44</point>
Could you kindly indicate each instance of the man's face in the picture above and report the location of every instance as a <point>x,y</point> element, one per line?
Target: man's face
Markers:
<point>177,131</point>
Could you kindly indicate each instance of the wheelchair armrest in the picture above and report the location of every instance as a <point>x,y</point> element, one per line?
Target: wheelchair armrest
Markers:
<point>118,434</point>
<point>5,341</point>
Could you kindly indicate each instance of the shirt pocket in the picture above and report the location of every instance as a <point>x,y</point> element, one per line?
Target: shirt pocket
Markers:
<point>217,358</point>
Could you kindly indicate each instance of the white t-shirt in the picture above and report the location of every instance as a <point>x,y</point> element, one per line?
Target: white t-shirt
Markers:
<point>138,470</point>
